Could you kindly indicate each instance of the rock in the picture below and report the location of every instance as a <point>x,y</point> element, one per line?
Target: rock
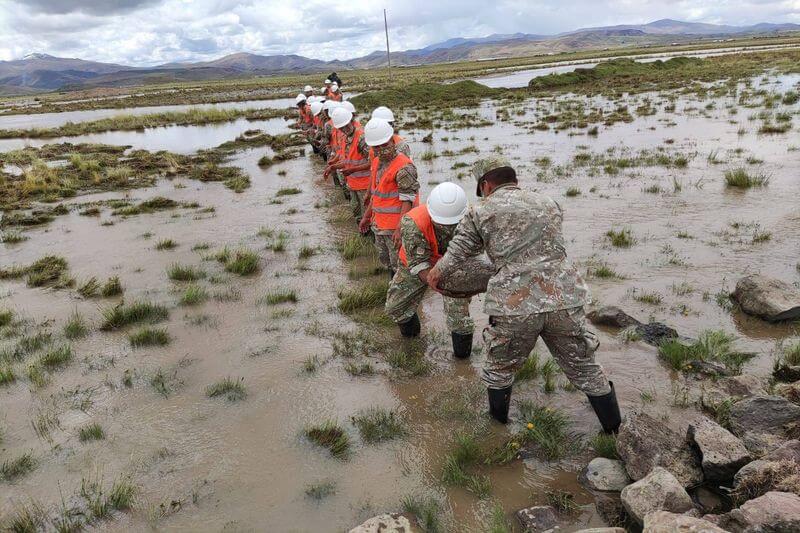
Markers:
<point>761,443</point>
<point>748,470</point>
<point>602,530</point>
<point>610,509</point>
<point>707,500</point>
<point>744,385</point>
<point>757,479</point>
<point>790,391</point>
<point>777,512</point>
<point>768,298</point>
<point>643,443</point>
<point>538,518</point>
<point>722,454</point>
<point>611,316</point>
<point>657,491</point>
<point>789,450</point>
<point>471,279</point>
<point>763,414</point>
<point>655,333</point>
<point>385,523</point>
<point>708,368</point>
<point>786,373</point>
<point>666,522</point>
<point>606,475</point>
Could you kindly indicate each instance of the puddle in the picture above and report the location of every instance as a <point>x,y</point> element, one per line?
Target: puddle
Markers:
<point>245,466</point>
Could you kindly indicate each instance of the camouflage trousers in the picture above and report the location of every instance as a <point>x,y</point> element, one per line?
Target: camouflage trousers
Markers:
<point>405,294</point>
<point>510,339</point>
<point>357,203</point>
<point>387,252</point>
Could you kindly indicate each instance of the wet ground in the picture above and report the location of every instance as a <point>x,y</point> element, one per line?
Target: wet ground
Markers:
<point>207,464</point>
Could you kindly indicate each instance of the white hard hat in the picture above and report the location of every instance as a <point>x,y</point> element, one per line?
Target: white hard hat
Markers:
<point>341,117</point>
<point>316,108</point>
<point>377,132</point>
<point>335,86</point>
<point>300,98</point>
<point>307,88</point>
<point>383,112</point>
<point>447,203</point>
<point>330,105</point>
<point>327,81</point>
<point>349,106</point>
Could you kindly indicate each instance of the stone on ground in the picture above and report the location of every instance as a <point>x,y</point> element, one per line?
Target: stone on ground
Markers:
<point>658,491</point>
<point>722,454</point>
<point>774,512</point>
<point>611,316</point>
<point>759,477</point>
<point>606,475</point>
<point>768,298</point>
<point>790,391</point>
<point>666,522</point>
<point>538,518</point>
<point>602,530</point>
<point>643,443</point>
<point>764,414</point>
<point>385,523</point>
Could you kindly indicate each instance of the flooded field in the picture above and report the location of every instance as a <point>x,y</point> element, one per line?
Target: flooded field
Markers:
<point>235,457</point>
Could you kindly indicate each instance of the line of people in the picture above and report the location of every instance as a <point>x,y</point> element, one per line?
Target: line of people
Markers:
<point>535,292</point>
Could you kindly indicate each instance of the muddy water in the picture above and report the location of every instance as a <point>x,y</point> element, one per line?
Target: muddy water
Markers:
<point>522,77</point>
<point>244,466</point>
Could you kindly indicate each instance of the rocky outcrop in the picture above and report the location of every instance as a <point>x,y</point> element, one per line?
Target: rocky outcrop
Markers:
<point>644,443</point>
<point>653,333</point>
<point>605,475</point>
<point>657,491</point>
<point>666,522</point>
<point>789,450</point>
<point>774,512</point>
<point>768,298</point>
<point>764,414</point>
<point>760,477</point>
<point>385,523</point>
<point>722,454</point>
<point>538,518</point>
<point>790,391</point>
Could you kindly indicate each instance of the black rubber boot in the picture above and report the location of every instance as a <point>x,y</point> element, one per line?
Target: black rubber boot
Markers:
<point>499,400</point>
<point>391,273</point>
<point>462,344</point>
<point>411,327</point>
<point>607,410</point>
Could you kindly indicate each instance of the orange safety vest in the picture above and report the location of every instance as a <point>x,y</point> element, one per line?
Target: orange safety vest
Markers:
<point>386,204</point>
<point>396,138</point>
<point>341,139</point>
<point>330,95</point>
<point>308,118</point>
<point>359,180</point>
<point>317,121</point>
<point>422,218</point>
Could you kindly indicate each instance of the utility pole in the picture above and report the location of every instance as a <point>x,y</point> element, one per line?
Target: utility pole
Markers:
<point>386,29</point>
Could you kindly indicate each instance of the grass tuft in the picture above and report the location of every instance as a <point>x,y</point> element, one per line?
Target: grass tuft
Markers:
<point>320,491</point>
<point>166,244</point>
<point>91,432</point>
<point>56,357</point>
<point>193,295</point>
<point>232,389</point>
<point>427,511</point>
<point>75,328</point>
<point>465,454</point>
<point>621,238</point>
<point>178,272</point>
<point>12,469</point>
<point>112,287</point>
<point>329,435</point>
<point>742,179</point>
<point>49,271</point>
<point>605,446</point>
<point>124,315</point>
<point>711,346</point>
<point>377,425</point>
<point>363,297</point>
<point>242,262</point>
<point>149,337</point>
<point>279,296</point>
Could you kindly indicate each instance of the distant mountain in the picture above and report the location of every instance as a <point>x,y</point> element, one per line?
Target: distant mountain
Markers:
<point>41,72</point>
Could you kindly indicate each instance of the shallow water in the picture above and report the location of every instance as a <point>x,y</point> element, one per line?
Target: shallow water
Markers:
<point>244,466</point>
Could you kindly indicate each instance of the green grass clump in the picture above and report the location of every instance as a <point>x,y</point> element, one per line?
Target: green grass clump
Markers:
<point>56,357</point>
<point>742,179</point>
<point>26,519</point>
<point>12,237</point>
<point>651,298</point>
<point>377,425</point>
<point>48,271</point>
<point>91,432</point>
<point>363,297</point>
<point>75,328</point>
<point>279,296</point>
<point>178,272</point>
<point>320,491</point>
<point>193,294</point>
<point>356,246</point>
<point>112,287</point>
<point>232,389</point>
<point>89,288</point>
<point>426,510</point>
<point>621,238</point>
<point>603,271</point>
<point>306,252</point>
<point>243,262</point>
<point>12,469</point>
<point>605,446</point>
<point>363,369</point>
<point>414,362</point>
<point>562,501</point>
<point>166,244</point>
<point>329,435</point>
<point>465,454</point>
<point>7,375</point>
<point>545,429</point>
<point>288,191</point>
<point>791,354</point>
<point>529,369</point>
<point>572,192</point>
<point>711,346</point>
<point>121,495</point>
<point>149,337</point>
<point>124,315</point>
<point>6,316</point>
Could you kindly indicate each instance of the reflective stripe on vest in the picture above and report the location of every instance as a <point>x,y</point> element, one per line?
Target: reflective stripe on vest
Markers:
<point>359,180</point>
<point>422,218</point>
<point>386,204</point>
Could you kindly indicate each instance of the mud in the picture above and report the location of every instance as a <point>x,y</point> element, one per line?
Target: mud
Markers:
<point>206,464</point>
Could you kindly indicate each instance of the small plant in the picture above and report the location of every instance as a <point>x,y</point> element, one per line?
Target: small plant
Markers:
<point>7,375</point>
<point>621,238</point>
<point>320,491</point>
<point>563,502</point>
<point>56,357</point>
<point>356,246</point>
<point>712,346</point>
<point>91,432</point>
<point>310,364</point>
<point>166,244</point>
<point>232,389</point>
<point>605,446</point>
<point>124,315</point>
<point>121,495</point>
<point>89,288</point>
<point>742,179</point>
<point>354,369</point>
<point>12,469</point>
<point>12,237</point>
<point>243,262</point>
<point>572,192</point>
<point>112,287</point>
<point>178,272</point>
<point>603,271</point>
<point>49,271</point>
<point>288,191</point>
<point>650,298</point>
<point>306,252</point>
<point>529,369</point>
<point>279,296</point>
<point>466,454</point>
<point>377,425</point>
<point>75,328</point>
<point>427,512</point>
<point>149,337</point>
<point>329,435</point>
<point>363,297</point>
<point>193,295</point>
<point>6,316</point>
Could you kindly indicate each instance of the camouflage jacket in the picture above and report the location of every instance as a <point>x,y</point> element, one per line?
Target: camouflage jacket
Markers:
<point>521,233</point>
<point>418,251</point>
<point>324,136</point>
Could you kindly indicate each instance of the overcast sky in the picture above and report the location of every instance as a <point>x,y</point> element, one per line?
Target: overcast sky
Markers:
<point>150,32</point>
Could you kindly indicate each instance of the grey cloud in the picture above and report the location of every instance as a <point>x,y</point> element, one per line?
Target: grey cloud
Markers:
<point>93,7</point>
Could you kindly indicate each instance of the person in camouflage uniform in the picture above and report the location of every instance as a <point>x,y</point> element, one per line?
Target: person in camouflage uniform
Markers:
<point>535,292</point>
<point>323,137</point>
<point>408,284</point>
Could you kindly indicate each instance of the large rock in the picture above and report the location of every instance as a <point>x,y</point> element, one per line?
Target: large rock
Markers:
<point>643,443</point>
<point>653,333</point>
<point>760,444</point>
<point>666,522</point>
<point>790,391</point>
<point>538,518</point>
<point>764,414</point>
<point>768,298</point>
<point>606,475</point>
<point>722,454</point>
<point>471,279</point>
<point>657,491</point>
<point>385,523</point>
<point>760,477</point>
<point>774,512</point>
<point>789,450</point>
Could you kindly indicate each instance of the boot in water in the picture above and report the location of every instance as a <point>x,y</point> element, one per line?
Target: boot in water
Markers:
<point>462,344</point>
<point>411,327</point>
<point>499,400</point>
<point>607,410</point>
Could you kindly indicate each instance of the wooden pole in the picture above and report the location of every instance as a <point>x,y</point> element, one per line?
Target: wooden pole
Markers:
<point>386,29</point>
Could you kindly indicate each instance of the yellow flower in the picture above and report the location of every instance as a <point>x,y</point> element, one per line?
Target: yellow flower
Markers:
<point>530,425</point>
<point>515,444</point>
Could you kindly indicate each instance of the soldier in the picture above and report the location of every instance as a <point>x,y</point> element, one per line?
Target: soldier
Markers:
<point>304,117</point>
<point>316,125</point>
<point>325,130</point>
<point>535,292</point>
<point>308,90</point>
<point>394,188</point>
<point>426,231</point>
<point>352,160</point>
